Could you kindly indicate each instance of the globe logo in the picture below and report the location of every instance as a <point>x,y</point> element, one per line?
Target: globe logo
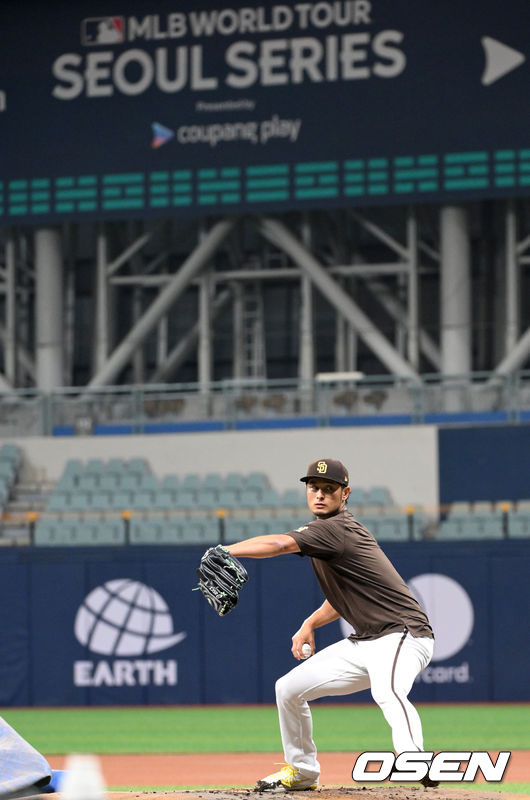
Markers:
<point>125,618</point>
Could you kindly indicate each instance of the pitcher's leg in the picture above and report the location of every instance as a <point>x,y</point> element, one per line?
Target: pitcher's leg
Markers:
<point>393,665</point>
<point>331,671</point>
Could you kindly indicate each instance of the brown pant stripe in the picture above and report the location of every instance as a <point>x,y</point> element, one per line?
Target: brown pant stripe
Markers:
<point>400,645</point>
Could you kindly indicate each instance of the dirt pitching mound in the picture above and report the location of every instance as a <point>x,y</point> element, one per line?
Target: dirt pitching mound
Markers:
<point>332,793</point>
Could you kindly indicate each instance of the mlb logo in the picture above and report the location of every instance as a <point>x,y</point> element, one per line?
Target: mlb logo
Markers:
<point>102,30</point>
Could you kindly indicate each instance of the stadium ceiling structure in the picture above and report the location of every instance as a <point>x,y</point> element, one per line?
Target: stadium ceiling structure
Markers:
<point>369,266</point>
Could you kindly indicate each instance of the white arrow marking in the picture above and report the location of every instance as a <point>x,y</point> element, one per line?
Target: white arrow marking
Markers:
<point>500,59</point>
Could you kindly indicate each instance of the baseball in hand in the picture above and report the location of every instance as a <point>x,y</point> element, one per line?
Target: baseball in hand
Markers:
<point>306,650</point>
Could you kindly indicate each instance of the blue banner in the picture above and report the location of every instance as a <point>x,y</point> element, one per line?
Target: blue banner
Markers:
<point>124,626</point>
<point>145,109</point>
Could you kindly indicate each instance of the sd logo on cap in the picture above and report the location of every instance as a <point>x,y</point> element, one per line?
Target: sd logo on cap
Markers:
<point>328,468</point>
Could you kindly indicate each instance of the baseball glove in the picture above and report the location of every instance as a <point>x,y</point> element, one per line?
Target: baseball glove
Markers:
<point>221,576</point>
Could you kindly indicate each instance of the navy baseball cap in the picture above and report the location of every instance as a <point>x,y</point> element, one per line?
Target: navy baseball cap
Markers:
<point>328,468</point>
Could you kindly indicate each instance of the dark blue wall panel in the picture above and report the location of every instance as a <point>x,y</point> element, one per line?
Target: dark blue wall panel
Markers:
<point>237,659</point>
<point>510,618</point>
<point>482,463</point>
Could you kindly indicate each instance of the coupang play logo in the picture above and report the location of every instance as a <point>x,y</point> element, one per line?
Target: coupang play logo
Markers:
<point>128,622</point>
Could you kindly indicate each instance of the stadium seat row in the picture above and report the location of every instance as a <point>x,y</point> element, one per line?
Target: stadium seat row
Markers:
<point>485,525</point>
<point>165,500</point>
<point>55,532</point>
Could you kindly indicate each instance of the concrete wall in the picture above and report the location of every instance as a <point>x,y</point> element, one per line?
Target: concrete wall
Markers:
<point>403,458</point>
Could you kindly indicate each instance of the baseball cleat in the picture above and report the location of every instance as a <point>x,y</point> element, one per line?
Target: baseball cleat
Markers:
<point>429,783</point>
<point>288,779</point>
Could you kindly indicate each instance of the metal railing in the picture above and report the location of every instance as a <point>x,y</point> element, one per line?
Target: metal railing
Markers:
<point>228,404</point>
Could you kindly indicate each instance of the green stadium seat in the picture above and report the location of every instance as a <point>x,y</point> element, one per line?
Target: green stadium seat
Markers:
<point>11,453</point>
<point>129,482</point>
<point>7,472</point>
<point>378,496</point>
<point>137,466</point>
<point>393,527</point>
<point>260,527</point>
<point>213,481</point>
<point>141,501</point>
<point>257,480</point>
<point>164,500</point>
<point>250,498</point>
<point>191,482</point>
<point>80,501</point>
<point>207,500</point>
<point>94,466</point>
<point>357,496</point>
<point>269,499</point>
<point>235,481</point>
<point>83,533</point>
<point>109,482</point>
<point>235,530</point>
<point>74,466</point>
<point>101,501</point>
<point>121,501</point>
<point>170,482</point>
<point>69,482</point>
<point>88,483</point>
<point>111,532</point>
<point>518,524</point>
<point>148,483</point>
<point>186,500</point>
<point>229,498</point>
<point>171,532</point>
<point>51,533</point>
<point>145,531</point>
<point>292,498</point>
<point>204,532</point>
<point>449,529</point>
<point>115,466</point>
<point>58,502</point>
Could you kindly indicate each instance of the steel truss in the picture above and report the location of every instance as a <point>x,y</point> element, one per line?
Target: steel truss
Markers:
<point>371,266</point>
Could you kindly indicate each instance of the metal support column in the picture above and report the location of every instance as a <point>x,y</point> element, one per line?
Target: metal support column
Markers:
<point>138,359</point>
<point>238,357</point>
<point>413,345</point>
<point>455,291</point>
<point>69,304</point>
<point>205,354</point>
<point>102,291</point>
<point>10,348</point>
<point>512,280</point>
<point>306,363</point>
<point>48,308</point>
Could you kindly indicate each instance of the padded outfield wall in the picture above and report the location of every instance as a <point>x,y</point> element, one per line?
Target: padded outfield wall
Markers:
<point>107,627</point>
<point>123,626</point>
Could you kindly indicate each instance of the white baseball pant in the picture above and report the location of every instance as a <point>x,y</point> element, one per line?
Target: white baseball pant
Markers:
<point>387,666</point>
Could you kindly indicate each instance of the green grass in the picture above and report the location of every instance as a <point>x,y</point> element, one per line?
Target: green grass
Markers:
<point>213,729</point>
<point>255,729</point>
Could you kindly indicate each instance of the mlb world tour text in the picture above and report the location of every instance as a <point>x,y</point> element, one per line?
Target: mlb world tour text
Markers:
<point>265,62</point>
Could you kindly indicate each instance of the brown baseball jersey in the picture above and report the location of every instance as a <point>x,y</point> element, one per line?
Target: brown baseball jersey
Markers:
<point>358,579</point>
